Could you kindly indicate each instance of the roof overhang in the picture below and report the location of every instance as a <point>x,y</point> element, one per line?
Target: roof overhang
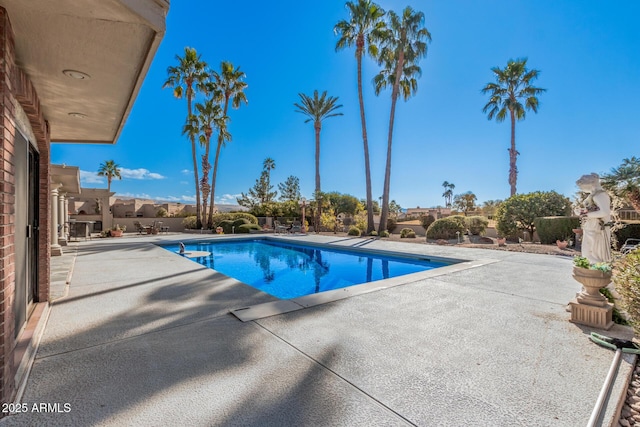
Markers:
<point>87,60</point>
<point>67,176</point>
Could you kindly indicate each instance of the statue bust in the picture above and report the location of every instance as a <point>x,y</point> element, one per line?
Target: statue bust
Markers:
<point>595,215</point>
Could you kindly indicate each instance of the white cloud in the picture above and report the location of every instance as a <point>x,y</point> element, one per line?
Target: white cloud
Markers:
<point>186,172</point>
<point>140,173</point>
<point>184,182</point>
<point>87,177</point>
<point>228,198</point>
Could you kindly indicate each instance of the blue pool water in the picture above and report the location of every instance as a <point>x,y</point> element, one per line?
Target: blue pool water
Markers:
<point>287,270</point>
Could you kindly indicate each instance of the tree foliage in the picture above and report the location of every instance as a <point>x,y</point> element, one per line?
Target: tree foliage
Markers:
<point>290,189</point>
<point>518,212</point>
<point>465,202</point>
<point>624,181</point>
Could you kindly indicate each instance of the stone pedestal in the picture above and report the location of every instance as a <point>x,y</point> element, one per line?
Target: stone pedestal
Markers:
<point>590,307</point>
<point>590,315</point>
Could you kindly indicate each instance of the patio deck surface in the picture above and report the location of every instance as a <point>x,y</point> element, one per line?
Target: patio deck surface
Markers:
<point>144,337</point>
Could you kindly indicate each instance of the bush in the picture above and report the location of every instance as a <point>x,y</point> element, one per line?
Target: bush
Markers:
<point>162,213</point>
<point>391,224</point>
<point>241,221</point>
<point>407,233</point>
<point>552,228</point>
<point>629,231</point>
<point>445,228</point>
<point>189,222</point>
<point>246,228</point>
<point>519,211</point>
<point>476,225</point>
<point>232,216</point>
<point>373,233</point>
<point>354,231</point>
<point>384,233</point>
<point>627,282</point>
<point>426,221</point>
<point>226,225</point>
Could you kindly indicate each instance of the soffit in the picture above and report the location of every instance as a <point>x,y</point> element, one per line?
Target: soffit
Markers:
<point>112,41</point>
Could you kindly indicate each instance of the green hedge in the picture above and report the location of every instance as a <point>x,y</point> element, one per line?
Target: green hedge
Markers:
<point>477,225</point>
<point>246,228</point>
<point>552,228</point>
<point>407,233</point>
<point>232,216</point>
<point>446,228</point>
<point>354,231</point>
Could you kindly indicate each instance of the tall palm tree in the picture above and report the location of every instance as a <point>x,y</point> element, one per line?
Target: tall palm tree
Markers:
<point>209,118</point>
<point>188,76</point>
<point>511,88</point>
<point>111,170</point>
<point>448,193</point>
<point>403,44</point>
<point>365,27</point>
<point>229,82</point>
<point>317,109</point>
<point>624,181</point>
<point>268,165</point>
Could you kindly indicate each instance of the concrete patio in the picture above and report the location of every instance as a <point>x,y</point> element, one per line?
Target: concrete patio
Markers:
<point>142,336</point>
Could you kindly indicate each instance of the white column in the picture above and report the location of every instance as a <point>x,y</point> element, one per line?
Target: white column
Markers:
<point>62,237</point>
<point>55,246</point>
<point>65,214</point>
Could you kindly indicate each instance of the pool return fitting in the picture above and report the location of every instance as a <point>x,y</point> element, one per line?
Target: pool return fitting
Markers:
<point>620,346</point>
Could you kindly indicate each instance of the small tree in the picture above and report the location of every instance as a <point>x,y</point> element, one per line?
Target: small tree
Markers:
<point>519,212</point>
<point>290,189</point>
<point>465,202</point>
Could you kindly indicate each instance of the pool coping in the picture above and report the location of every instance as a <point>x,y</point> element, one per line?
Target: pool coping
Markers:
<point>282,306</point>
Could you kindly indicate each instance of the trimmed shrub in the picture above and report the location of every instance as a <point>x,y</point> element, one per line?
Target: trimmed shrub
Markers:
<point>226,225</point>
<point>189,222</point>
<point>445,228</point>
<point>232,216</point>
<point>246,228</point>
<point>407,233</point>
<point>384,233</point>
<point>477,225</point>
<point>391,224</point>
<point>627,282</point>
<point>426,221</point>
<point>373,233</point>
<point>552,228</point>
<point>240,221</point>
<point>354,231</point>
<point>629,231</point>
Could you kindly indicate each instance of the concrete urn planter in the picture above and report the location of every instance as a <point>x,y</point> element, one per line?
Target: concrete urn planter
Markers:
<point>116,233</point>
<point>592,281</point>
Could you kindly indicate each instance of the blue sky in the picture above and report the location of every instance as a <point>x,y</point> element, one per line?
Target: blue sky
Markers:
<point>588,120</point>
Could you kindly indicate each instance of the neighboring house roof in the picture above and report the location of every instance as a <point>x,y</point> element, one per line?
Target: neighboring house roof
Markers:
<point>86,60</point>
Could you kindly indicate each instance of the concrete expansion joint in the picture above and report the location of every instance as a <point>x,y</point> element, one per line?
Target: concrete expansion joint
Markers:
<point>335,374</point>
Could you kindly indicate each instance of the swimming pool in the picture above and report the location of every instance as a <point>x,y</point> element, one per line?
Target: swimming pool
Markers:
<point>287,270</point>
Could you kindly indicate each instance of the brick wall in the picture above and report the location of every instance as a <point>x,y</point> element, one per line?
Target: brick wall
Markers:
<point>15,87</point>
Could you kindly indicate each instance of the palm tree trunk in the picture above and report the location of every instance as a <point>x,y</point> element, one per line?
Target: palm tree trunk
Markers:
<point>384,215</point>
<point>513,170</point>
<point>318,126</point>
<point>215,167</point>
<point>634,199</point>
<point>195,166</point>
<point>367,166</point>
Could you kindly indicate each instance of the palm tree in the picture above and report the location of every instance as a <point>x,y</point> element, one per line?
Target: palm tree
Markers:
<point>448,193</point>
<point>317,109</point>
<point>624,181</point>
<point>111,170</point>
<point>403,44</point>
<point>188,76</point>
<point>231,88</point>
<point>209,117</point>
<point>268,165</point>
<point>512,86</point>
<point>364,28</point>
